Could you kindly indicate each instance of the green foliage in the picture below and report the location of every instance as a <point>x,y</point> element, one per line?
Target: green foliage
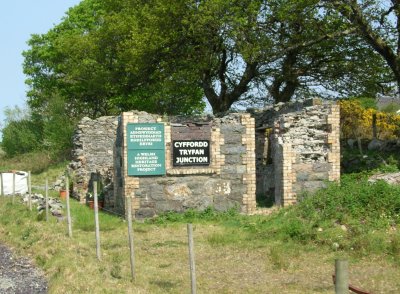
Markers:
<point>22,132</point>
<point>391,108</point>
<point>20,137</point>
<point>34,131</point>
<point>58,128</point>
<point>375,22</point>
<point>371,160</point>
<point>164,57</point>
<point>366,102</point>
<point>354,216</point>
<point>192,215</point>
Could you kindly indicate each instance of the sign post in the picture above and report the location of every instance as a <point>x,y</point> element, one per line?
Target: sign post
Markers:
<point>191,152</point>
<point>146,149</point>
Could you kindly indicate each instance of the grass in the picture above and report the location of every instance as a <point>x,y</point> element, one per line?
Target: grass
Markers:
<point>40,164</point>
<point>286,252</point>
<point>290,251</point>
<point>369,161</point>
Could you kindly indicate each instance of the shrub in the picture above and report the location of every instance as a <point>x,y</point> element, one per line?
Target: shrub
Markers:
<point>356,121</point>
<point>21,137</point>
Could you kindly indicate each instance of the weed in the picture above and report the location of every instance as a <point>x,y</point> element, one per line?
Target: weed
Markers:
<point>223,239</point>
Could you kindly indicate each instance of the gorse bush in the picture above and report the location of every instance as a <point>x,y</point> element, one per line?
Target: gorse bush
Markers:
<point>356,121</point>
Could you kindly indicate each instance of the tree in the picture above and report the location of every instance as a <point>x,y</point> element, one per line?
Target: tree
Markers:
<point>22,132</point>
<point>378,23</point>
<point>163,56</point>
<point>84,60</point>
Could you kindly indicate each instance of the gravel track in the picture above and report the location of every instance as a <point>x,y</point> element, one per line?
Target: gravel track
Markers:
<point>18,275</point>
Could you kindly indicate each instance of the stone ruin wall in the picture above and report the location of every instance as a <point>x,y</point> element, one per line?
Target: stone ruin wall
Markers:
<point>298,149</point>
<point>275,153</point>
<point>229,181</point>
<point>92,157</point>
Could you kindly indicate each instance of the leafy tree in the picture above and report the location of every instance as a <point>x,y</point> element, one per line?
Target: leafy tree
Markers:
<point>84,59</point>
<point>22,132</point>
<point>58,129</point>
<point>164,56</point>
<point>378,23</point>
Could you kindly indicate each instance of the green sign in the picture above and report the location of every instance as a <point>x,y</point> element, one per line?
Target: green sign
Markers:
<point>145,136</point>
<point>146,149</point>
<point>146,162</point>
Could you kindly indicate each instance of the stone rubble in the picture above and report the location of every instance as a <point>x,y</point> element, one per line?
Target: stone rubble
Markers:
<point>391,178</point>
<point>55,205</point>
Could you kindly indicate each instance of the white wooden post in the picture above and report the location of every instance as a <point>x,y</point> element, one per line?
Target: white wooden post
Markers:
<point>96,220</point>
<point>342,276</point>
<point>47,199</point>
<point>30,190</point>
<point>130,233</point>
<point>191,258</point>
<point>68,209</point>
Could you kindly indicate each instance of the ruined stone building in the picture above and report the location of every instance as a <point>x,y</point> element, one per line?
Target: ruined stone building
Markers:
<point>175,163</point>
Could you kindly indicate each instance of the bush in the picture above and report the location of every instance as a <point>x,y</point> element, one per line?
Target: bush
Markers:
<point>58,129</point>
<point>21,137</point>
<point>356,121</point>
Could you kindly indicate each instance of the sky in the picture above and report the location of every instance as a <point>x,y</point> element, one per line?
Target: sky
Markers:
<point>19,19</point>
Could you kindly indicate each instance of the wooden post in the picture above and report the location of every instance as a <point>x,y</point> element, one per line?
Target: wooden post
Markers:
<point>342,276</point>
<point>29,191</point>
<point>13,195</point>
<point>374,131</point>
<point>96,220</point>
<point>47,199</point>
<point>191,258</point>
<point>68,209</point>
<point>359,145</point>
<point>130,233</point>
<point>2,184</point>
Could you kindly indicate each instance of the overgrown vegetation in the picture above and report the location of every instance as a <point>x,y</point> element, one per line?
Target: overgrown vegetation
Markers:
<point>357,120</point>
<point>369,161</point>
<point>355,216</point>
<point>355,219</point>
<point>38,162</point>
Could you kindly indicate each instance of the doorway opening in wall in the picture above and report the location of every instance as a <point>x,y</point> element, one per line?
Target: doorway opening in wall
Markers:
<point>265,201</point>
<point>265,186</point>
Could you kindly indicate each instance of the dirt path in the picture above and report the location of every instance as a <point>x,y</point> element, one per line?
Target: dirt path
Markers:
<point>18,275</point>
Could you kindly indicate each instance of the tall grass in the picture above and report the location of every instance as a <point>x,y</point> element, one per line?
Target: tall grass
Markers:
<point>37,162</point>
<point>355,219</point>
<point>355,216</point>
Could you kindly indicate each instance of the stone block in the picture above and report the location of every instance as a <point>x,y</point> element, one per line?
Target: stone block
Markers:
<point>233,149</point>
<point>321,167</point>
<point>227,129</point>
<point>145,213</point>
<point>233,138</point>
<point>216,187</point>
<point>168,205</point>
<point>178,191</point>
<point>313,186</point>
<point>224,204</point>
<point>302,176</point>
<point>233,159</point>
<point>321,176</point>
